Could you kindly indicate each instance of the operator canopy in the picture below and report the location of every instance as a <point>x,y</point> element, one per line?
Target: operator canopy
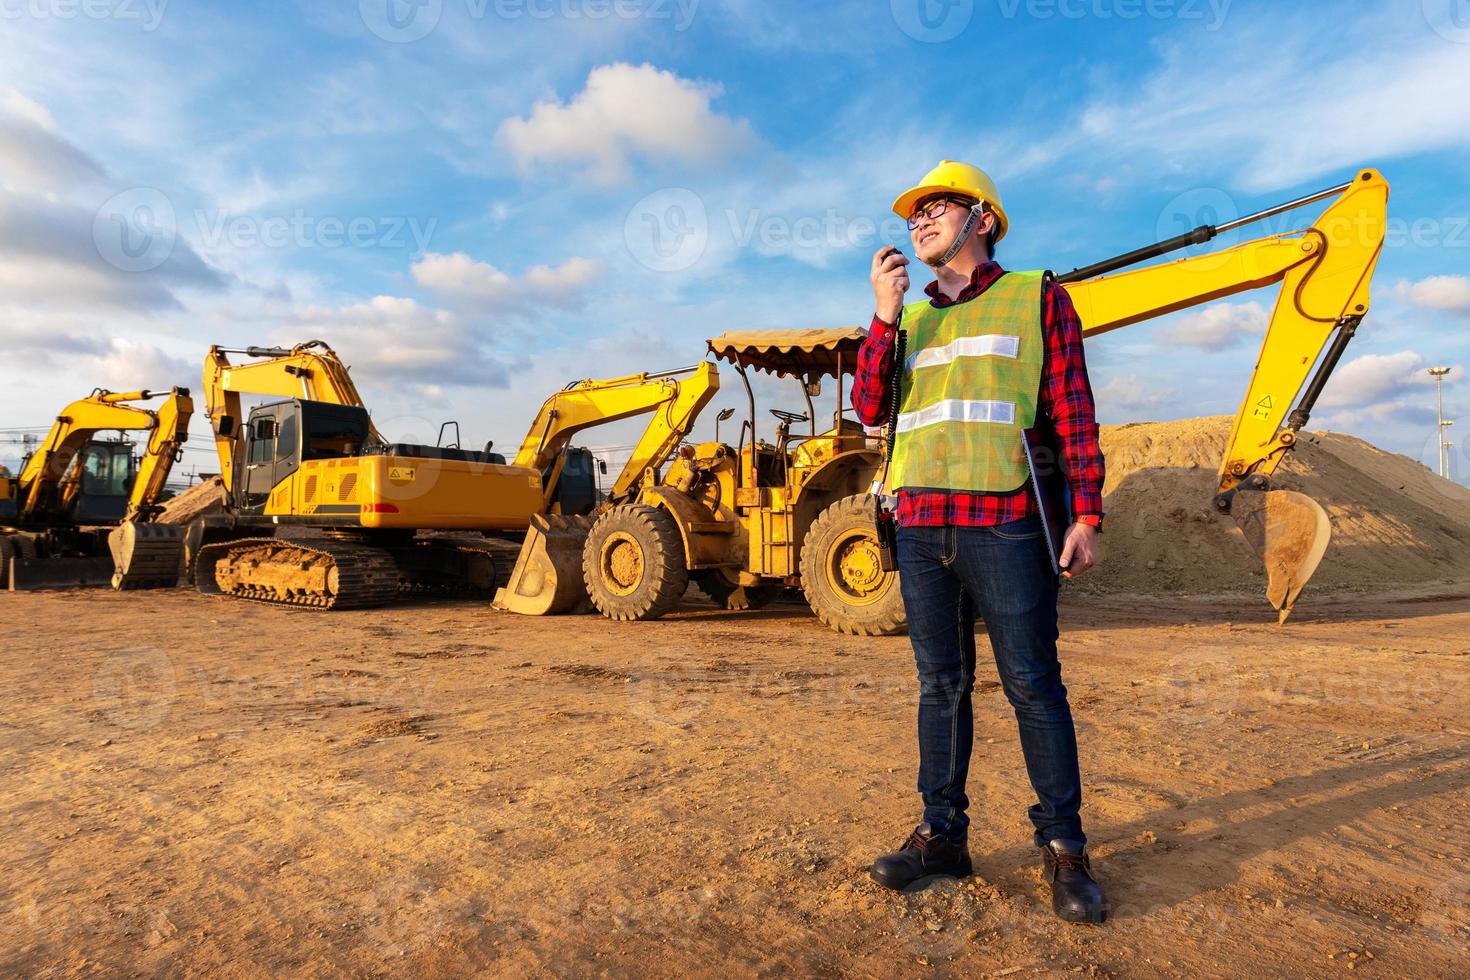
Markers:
<point>810,354</point>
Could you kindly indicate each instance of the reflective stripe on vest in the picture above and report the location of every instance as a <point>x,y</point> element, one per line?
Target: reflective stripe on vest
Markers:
<point>970,385</point>
<point>991,345</point>
<point>954,410</point>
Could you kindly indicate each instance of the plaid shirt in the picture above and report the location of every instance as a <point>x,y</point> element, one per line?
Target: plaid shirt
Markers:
<point>1066,396</point>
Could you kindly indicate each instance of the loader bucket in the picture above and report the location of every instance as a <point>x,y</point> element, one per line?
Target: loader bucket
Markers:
<point>146,556</point>
<point>1290,531</point>
<point>547,577</point>
<point>25,574</point>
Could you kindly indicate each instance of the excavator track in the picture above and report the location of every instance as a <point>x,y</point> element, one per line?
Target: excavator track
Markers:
<point>314,574</point>
<point>445,565</point>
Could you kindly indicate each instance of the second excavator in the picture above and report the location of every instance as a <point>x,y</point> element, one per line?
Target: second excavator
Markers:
<point>56,512</point>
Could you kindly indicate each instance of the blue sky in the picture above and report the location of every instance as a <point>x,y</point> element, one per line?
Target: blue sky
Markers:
<point>462,196</point>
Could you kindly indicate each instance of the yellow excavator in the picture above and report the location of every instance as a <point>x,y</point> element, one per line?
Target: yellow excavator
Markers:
<point>1324,272</point>
<point>56,513</point>
<point>352,508</point>
<point>746,520</point>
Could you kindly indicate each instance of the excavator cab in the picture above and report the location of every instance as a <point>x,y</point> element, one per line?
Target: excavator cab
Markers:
<point>281,435</point>
<point>105,471</point>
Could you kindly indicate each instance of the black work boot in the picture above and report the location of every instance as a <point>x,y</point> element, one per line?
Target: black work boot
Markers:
<point>923,855</point>
<point>1075,894</point>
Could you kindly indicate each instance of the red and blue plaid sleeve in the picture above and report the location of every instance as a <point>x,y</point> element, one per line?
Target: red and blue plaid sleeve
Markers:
<point>870,382</point>
<point>1066,395</point>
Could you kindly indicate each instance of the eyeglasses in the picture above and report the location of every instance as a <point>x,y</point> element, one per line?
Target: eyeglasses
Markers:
<point>933,210</point>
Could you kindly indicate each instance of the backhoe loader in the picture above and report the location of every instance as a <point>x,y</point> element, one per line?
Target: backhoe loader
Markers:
<point>56,513</point>
<point>744,522</point>
<point>759,516</point>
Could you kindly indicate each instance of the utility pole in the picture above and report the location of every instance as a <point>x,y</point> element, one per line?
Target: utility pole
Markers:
<point>1440,431</point>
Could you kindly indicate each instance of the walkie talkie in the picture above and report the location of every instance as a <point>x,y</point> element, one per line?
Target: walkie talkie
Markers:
<point>884,519</point>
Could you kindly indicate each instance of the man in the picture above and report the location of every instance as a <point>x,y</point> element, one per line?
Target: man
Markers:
<point>989,353</point>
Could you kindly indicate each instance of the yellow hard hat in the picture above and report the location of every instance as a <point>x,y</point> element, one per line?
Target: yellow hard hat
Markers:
<point>952,177</point>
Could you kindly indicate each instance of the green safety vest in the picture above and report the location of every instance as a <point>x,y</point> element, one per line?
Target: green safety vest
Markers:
<point>969,386</point>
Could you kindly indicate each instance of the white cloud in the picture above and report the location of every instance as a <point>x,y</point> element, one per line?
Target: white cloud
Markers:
<point>1380,378</point>
<point>1438,293</point>
<point>396,339</point>
<point>54,258</point>
<point>1308,110</point>
<point>626,111</point>
<point>1128,392</point>
<point>125,365</point>
<point>462,277</point>
<point>1217,326</point>
<point>1395,412</point>
<point>464,280</point>
<point>33,156</point>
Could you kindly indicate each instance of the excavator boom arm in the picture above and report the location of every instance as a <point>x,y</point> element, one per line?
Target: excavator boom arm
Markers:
<point>78,423</point>
<point>675,402</point>
<point>170,431</point>
<point>310,370</point>
<point>1324,274</point>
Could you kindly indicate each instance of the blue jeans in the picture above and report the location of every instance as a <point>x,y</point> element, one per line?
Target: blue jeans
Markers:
<point>1003,573</point>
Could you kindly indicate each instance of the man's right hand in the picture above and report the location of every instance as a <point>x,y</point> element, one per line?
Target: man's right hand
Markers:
<point>890,278</point>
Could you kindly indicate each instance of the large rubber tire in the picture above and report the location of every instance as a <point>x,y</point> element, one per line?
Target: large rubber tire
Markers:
<point>840,574</point>
<point>728,595</point>
<point>634,564</point>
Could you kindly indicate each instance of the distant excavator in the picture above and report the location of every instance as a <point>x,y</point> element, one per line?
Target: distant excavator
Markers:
<point>55,515</point>
<point>362,518</point>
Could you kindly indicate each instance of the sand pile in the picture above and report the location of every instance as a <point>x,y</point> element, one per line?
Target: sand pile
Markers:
<point>206,497</point>
<point>1393,521</point>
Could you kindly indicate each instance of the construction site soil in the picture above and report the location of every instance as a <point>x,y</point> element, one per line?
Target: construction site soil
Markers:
<point>195,785</point>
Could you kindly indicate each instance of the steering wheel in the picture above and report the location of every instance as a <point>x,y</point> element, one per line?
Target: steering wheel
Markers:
<point>788,418</point>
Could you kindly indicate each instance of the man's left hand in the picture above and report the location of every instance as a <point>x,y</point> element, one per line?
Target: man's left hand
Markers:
<point>1079,550</point>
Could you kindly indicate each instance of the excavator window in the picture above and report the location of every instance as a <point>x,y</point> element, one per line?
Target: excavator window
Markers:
<point>286,438</point>
<point>262,441</point>
<point>332,431</point>
<point>107,470</point>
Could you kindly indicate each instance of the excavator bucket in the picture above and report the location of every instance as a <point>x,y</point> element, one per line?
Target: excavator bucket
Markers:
<point>26,574</point>
<point>24,566</point>
<point>547,577</point>
<point>146,556</point>
<point>1290,532</point>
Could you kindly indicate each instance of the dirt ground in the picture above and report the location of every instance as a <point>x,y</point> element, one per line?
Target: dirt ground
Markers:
<point>200,785</point>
